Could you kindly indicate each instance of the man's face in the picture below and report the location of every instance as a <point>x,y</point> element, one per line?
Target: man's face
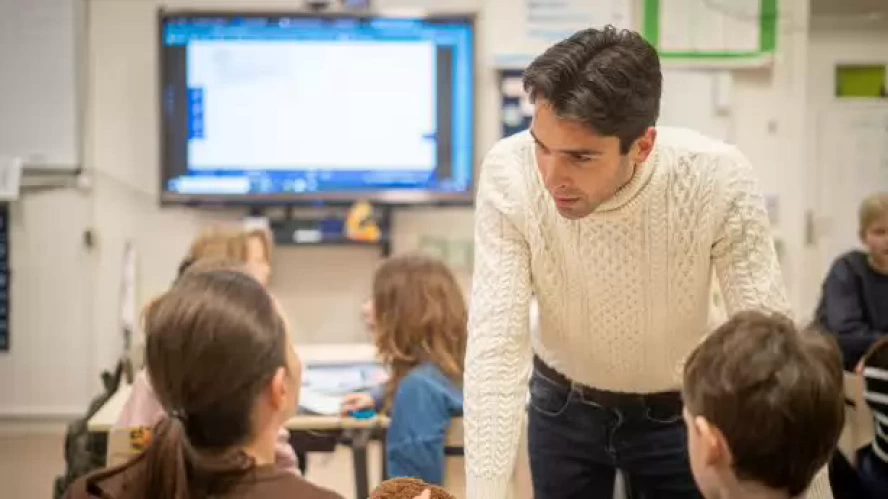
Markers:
<point>580,168</point>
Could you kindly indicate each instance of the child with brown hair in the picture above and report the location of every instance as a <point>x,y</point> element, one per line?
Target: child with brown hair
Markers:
<point>214,249</point>
<point>854,303</point>
<point>224,370</point>
<point>764,407</point>
<point>420,321</point>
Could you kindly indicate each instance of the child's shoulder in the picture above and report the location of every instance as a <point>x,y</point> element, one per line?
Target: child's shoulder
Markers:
<point>424,374</point>
<point>854,261</point>
<point>427,386</point>
<point>427,377</point>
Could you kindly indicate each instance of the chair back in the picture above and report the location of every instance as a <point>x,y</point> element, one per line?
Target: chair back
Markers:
<point>124,443</point>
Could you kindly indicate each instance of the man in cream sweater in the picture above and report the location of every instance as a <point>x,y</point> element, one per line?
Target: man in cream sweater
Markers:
<point>615,226</point>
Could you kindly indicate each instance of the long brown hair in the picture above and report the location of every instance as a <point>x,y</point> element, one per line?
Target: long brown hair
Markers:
<point>213,342</point>
<point>420,317</point>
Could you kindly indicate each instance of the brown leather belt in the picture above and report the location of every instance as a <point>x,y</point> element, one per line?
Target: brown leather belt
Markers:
<point>668,401</point>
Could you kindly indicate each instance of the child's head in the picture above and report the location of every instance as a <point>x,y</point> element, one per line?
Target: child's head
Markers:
<point>216,243</point>
<point>419,316</point>
<point>219,359</point>
<point>764,405</point>
<point>252,249</point>
<point>874,225</point>
<point>408,488</point>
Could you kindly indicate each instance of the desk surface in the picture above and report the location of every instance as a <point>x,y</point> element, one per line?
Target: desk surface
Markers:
<point>104,419</point>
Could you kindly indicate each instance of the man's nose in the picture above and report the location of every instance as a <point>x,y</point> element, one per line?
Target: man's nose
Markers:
<point>556,174</point>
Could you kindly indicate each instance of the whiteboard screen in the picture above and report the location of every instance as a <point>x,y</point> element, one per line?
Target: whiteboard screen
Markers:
<point>38,87</point>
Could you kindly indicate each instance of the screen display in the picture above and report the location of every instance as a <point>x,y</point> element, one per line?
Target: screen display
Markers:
<point>297,108</point>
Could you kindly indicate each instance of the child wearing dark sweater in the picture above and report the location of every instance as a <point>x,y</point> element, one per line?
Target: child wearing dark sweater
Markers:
<point>854,303</point>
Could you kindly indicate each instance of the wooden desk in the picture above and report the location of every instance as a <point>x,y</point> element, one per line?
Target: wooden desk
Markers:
<point>358,431</point>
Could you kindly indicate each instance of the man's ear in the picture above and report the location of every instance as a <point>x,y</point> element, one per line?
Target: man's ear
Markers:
<point>716,451</point>
<point>644,145</point>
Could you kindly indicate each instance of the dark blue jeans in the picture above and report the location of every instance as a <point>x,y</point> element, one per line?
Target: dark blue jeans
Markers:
<point>576,446</point>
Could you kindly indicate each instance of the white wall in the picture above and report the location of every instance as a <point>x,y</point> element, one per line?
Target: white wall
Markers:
<point>65,325</point>
<point>769,110</point>
<point>856,40</point>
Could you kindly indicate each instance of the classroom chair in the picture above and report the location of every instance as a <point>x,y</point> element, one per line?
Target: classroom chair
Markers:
<point>124,443</point>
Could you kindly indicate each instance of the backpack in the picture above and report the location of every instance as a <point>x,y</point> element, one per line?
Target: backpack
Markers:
<point>85,452</point>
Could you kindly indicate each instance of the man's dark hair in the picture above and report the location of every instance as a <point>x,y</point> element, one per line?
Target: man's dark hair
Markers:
<point>607,78</point>
<point>776,394</point>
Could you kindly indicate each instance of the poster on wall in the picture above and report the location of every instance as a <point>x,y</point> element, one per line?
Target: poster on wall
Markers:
<point>526,28</point>
<point>516,110</point>
<point>724,33</point>
<point>4,277</point>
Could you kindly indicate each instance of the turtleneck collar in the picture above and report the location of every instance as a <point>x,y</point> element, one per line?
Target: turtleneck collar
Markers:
<point>640,179</point>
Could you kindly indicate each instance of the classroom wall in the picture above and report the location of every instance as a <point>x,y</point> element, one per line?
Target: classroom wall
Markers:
<point>60,348</point>
<point>770,114</point>
<point>836,40</point>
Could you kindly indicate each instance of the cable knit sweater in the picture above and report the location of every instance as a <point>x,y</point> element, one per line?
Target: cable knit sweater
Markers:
<point>623,294</point>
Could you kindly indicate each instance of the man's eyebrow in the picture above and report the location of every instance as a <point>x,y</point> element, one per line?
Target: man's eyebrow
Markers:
<point>572,152</point>
<point>537,139</point>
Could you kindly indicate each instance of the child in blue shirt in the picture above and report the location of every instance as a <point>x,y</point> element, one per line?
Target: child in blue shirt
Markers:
<point>419,323</point>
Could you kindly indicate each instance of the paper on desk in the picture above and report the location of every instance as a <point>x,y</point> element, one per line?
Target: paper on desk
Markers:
<point>343,379</point>
<point>316,402</point>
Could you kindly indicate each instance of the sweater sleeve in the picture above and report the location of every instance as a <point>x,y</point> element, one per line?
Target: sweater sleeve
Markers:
<point>498,352</point>
<point>843,315</point>
<point>743,249</point>
<point>820,487</point>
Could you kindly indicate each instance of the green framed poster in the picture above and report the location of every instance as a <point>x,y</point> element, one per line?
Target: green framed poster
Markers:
<point>712,30</point>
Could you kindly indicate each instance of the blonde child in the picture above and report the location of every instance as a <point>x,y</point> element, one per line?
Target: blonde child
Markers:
<point>227,377</point>
<point>252,248</point>
<point>419,321</point>
<point>854,302</point>
<point>764,407</point>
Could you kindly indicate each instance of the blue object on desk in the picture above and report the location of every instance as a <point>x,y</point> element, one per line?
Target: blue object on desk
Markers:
<point>365,414</point>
